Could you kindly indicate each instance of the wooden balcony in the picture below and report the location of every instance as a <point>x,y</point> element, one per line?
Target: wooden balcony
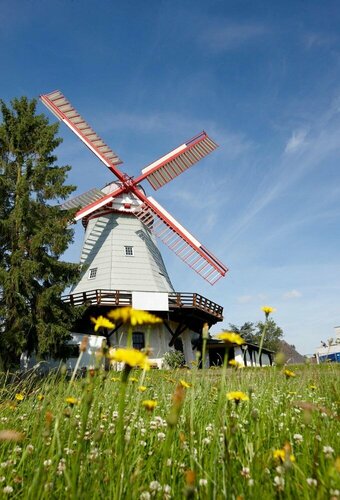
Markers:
<point>120,298</point>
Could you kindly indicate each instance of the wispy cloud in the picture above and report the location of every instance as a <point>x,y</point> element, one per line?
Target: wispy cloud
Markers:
<point>312,40</point>
<point>296,141</point>
<point>292,294</point>
<point>323,143</point>
<point>247,299</point>
<point>223,36</point>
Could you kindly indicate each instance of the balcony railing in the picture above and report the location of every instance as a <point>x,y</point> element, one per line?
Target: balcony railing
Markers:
<point>121,298</point>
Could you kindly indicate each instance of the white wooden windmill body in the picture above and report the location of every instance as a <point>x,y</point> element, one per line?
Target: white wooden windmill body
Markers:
<point>120,256</point>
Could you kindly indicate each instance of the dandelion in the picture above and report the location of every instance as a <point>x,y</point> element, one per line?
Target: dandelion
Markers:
<point>235,363</point>
<point>134,317</point>
<point>133,379</point>
<point>313,387</point>
<point>289,373</point>
<point>185,384</point>
<point>142,388</point>
<point>237,396</point>
<point>149,404</point>
<point>102,322</point>
<point>19,396</point>
<point>284,454</point>
<point>268,310</point>
<point>72,401</point>
<point>131,357</point>
<point>231,338</point>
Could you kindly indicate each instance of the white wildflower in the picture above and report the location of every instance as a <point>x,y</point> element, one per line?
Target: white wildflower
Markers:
<point>279,482</point>
<point>328,451</point>
<point>7,490</point>
<point>145,495</point>
<point>298,438</point>
<point>47,463</point>
<point>155,486</point>
<point>203,482</point>
<point>245,472</point>
<point>161,436</point>
<point>311,481</point>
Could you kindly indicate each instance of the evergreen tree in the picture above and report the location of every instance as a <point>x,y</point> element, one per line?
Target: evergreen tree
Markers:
<point>34,233</point>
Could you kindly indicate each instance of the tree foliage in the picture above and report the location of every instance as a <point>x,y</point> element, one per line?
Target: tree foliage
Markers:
<point>34,233</point>
<point>252,333</point>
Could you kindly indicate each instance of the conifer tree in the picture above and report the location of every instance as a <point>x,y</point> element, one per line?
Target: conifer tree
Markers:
<point>34,233</point>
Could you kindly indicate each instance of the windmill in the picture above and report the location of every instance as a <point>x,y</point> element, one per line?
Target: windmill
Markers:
<point>120,219</point>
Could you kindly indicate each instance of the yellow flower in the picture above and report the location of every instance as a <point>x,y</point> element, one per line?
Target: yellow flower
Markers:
<point>115,379</point>
<point>40,397</point>
<point>72,401</point>
<point>289,373</point>
<point>231,338</point>
<point>131,357</point>
<point>284,455</point>
<point>133,379</point>
<point>149,404</point>
<point>268,310</point>
<point>133,316</point>
<point>235,363</point>
<point>237,396</point>
<point>19,396</point>
<point>142,388</point>
<point>185,384</point>
<point>102,322</point>
<point>313,387</point>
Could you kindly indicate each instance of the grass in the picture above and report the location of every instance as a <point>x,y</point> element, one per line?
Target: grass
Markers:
<point>94,438</point>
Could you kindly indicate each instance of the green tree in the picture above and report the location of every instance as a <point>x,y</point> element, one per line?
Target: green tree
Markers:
<point>34,233</point>
<point>273,334</point>
<point>252,333</point>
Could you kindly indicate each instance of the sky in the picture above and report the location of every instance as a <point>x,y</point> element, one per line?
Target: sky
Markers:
<point>262,78</point>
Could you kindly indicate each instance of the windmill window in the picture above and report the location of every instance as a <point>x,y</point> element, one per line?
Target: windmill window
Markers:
<point>138,340</point>
<point>93,273</point>
<point>129,251</point>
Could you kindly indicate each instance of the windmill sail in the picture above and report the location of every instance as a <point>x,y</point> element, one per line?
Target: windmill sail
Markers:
<point>178,239</point>
<point>83,199</point>
<point>57,103</point>
<point>177,161</point>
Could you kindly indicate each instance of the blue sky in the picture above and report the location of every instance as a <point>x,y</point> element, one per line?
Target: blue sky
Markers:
<point>262,78</point>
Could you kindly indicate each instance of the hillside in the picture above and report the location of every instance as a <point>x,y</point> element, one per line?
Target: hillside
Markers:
<point>291,354</point>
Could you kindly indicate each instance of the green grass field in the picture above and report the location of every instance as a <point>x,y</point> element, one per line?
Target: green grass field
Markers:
<point>95,438</point>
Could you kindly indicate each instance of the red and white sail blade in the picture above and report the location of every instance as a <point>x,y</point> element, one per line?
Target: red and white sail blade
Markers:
<point>97,203</point>
<point>57,103</point>
<point>177,161</point>
<point>178,239</point>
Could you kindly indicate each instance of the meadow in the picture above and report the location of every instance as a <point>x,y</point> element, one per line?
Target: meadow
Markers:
<point>207,434</point>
